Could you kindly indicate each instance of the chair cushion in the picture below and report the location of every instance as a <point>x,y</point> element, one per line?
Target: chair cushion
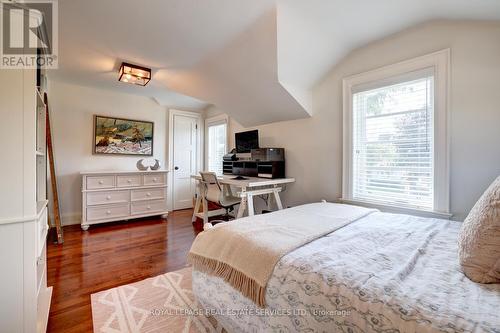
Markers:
<point>479,238</point>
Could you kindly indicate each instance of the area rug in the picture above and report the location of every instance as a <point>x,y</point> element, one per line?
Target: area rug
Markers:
<point>163,303</point>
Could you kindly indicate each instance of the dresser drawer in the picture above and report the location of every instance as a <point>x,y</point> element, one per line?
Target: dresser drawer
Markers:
<point>155,179</point>
<point>107,197</point>
<point>98,182</point>
<point>128,180</point>
<point>145,207</point>
<point>148,194</point>
<point>107,212</point>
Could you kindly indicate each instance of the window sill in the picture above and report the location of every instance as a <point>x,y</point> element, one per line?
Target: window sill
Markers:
<point>398,209</point>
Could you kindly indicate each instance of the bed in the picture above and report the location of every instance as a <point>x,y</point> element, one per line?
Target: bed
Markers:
<point>381,273</point>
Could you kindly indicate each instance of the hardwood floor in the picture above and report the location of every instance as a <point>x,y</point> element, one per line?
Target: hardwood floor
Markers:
<point>110,255</point>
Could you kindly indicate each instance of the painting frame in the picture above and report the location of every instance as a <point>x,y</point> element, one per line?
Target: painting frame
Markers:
<point>95,135</point>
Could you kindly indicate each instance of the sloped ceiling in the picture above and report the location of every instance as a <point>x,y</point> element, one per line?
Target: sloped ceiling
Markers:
<point>314,35</point>
<point>241,78</point>
<point>255,59</point>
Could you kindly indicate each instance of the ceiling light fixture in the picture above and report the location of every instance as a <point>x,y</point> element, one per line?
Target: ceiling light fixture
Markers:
<point>134,74</point>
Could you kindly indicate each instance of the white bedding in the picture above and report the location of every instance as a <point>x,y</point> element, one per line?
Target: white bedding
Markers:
<point>382,273</point>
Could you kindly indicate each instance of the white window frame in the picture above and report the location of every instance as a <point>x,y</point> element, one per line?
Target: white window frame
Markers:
<point>213,121</point>
<point>440,62</point>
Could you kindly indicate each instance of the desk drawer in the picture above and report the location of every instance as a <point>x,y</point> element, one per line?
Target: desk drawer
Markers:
<point>146,207</point>
<point>128,180</point>
<point>107,212</point>
<point>107,197</point>
<point>98,182</point>
<point>155,179</point>
<point>148,194</point>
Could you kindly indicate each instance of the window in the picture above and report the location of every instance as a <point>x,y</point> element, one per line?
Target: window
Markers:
<point>396,136</point>
<point>216,129</point>
<point>393,142</point>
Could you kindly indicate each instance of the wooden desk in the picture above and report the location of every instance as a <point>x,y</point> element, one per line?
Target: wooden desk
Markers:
<point>247,189</point>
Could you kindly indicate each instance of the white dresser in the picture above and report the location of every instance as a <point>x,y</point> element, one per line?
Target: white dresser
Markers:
<point>122,195</point>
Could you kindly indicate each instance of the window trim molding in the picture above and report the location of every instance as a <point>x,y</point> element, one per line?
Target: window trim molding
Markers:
<point>398,209</point>
<point>440,61</point>
<point>215,120</point>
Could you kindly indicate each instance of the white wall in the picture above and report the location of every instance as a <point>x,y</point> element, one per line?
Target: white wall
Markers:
<point>72,110</point>
<point>314,146</point>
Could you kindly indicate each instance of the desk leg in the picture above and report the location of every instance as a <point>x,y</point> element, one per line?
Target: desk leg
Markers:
<point>243,206</point>
<point>270,200</point>
<point>243,203</point>
<point>278,200</point>
<point>251,211</point>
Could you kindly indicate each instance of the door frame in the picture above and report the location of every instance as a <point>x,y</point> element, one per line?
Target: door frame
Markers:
<point>200,138</point>
<point>219,119</point>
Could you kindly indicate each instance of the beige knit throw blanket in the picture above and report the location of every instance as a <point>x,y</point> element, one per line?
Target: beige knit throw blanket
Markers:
<point>244,252</point>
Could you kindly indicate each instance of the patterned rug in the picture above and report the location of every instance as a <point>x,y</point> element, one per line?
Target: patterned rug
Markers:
<point>164,303</point>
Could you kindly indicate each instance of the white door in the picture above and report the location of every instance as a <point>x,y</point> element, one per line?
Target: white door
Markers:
<point>185,154</point>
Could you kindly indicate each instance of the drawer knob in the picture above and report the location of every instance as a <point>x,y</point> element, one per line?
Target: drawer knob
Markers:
<point>108,212</point>
<point>148,194</point>
<point>129,180</point>
<point>149,207</point>
<point>155,179</point>
<point>108,197</point>
<point>101,182</point>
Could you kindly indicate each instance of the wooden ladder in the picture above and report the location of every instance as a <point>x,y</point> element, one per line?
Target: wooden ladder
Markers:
<point>53,178</point>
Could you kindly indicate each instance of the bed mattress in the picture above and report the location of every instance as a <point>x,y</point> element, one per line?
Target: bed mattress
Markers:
<point>382,273</point>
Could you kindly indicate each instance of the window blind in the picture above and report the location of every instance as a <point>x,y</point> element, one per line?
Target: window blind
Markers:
<point>392,157</point>
<point>217,138</point>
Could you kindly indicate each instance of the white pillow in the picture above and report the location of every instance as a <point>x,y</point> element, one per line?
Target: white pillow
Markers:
<point>479,238</point>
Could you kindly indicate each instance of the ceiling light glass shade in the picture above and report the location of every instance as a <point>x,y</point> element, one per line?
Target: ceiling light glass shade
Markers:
<point>134,74</point>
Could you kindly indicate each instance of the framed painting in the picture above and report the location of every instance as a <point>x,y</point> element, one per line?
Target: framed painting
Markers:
<point>118,136</point>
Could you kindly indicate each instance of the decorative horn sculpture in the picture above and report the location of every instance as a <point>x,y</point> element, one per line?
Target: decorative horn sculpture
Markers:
<point>156,166</point>
<point>141,166</point>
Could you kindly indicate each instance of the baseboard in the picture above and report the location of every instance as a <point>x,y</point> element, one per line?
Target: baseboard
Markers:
<point>69,218</point>
<point>72,218</point>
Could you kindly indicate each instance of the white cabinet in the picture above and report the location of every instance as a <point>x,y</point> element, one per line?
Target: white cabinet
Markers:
<point>25,299</point>
<point>122,195</point>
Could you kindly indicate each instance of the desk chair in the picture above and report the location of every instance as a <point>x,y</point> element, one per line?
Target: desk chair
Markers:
<point>213,192</point>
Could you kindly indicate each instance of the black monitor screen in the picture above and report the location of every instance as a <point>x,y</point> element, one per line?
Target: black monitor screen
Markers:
<point>246,141</point>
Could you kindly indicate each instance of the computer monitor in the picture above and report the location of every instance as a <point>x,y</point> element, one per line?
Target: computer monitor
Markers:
<point>245,141</point>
